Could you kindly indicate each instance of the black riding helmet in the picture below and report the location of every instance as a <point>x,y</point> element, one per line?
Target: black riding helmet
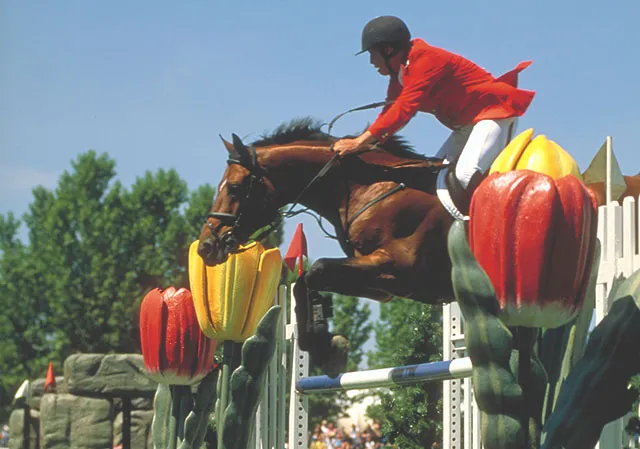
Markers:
<point>388,30</point>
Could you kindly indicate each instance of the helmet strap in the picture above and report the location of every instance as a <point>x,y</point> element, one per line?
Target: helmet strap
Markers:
<point>387,61</point>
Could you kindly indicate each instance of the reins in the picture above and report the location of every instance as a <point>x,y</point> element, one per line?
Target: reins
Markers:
<point>323,171</point>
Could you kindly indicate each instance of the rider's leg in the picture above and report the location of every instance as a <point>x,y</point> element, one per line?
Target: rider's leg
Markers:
<point>451,148</point>
<point>487,139</point>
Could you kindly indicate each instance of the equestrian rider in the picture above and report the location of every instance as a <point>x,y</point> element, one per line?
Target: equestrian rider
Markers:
<point>480,110</point>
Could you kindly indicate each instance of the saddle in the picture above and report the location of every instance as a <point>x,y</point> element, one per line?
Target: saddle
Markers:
<point>428,174</point>
<point>415,173</point>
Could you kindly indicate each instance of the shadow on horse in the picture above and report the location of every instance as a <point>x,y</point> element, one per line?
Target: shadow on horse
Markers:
<point>381,202</point>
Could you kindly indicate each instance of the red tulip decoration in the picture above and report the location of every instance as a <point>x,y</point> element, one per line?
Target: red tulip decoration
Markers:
<point>174,349</point>
<point>535,238</point>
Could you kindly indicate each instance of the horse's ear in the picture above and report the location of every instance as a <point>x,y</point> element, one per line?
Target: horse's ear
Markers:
<point>230,148</point>
<point>241,149</point>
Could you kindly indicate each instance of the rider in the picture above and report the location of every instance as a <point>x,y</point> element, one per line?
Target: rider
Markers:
<point>480,110</point>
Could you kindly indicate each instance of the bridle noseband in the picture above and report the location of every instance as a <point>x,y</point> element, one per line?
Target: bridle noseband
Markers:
<point>229,241</point>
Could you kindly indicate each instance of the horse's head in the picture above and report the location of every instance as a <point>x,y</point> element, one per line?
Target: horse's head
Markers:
<point>243,204</point>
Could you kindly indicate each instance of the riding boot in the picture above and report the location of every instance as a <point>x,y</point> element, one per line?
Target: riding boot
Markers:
<point>461,196</point>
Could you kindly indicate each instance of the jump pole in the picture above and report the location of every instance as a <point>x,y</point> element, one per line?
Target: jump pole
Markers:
<point>387,377</point>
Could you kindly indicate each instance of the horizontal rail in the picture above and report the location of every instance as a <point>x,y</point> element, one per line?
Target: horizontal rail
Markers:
<point>387,377</point>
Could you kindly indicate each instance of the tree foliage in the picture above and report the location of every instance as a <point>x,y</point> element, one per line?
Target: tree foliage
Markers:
<point>408,333</point>
<point>351,319</point>
<point>94,248</point>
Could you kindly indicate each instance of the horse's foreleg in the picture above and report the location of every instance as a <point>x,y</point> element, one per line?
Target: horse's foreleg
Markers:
<point>312,312</point>
<point>370,276</point>
<point>364,276</point>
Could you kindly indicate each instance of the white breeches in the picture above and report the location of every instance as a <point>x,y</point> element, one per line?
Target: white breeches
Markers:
<point>475,147</point>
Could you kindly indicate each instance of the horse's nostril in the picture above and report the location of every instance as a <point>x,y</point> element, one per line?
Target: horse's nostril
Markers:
<point>205,248</point>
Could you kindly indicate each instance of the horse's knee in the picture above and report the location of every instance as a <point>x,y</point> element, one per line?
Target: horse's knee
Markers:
<point>316,273</point>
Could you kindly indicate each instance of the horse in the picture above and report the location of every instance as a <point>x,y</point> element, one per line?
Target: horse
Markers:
<point>382,203</point>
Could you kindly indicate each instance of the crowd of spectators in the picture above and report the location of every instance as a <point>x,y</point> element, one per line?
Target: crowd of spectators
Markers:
<point>327,435</point>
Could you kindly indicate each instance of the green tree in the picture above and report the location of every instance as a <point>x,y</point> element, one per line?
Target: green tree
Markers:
<point>94,249</point>
<point>351,319</point>
<point>408,333</point>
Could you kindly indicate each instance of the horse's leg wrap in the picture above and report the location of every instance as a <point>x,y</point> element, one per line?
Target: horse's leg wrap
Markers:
<point>303,316</point>
<point>321,311</point>
<point>312,314</point>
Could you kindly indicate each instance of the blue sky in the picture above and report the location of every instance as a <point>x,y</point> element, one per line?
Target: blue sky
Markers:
<point>153,83</point>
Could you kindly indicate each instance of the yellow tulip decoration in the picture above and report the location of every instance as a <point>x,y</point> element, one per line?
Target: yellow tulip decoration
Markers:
<point>231,298</point>
<point>537,154</point>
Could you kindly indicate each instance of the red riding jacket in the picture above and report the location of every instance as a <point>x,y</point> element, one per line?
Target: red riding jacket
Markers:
<point>454,89</point>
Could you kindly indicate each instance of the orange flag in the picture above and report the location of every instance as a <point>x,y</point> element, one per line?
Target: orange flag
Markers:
<point>297,249</point>
<point>50,380</point>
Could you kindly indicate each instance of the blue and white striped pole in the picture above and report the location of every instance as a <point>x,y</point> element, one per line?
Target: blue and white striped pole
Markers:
<point>387,377</point>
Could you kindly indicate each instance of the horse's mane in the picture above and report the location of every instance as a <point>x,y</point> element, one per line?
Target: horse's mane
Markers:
<point>308,128</point>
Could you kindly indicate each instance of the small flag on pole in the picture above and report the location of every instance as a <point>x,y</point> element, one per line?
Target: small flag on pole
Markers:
<point>297,249</point>
<point>50,380</point>
<point>597,172</point>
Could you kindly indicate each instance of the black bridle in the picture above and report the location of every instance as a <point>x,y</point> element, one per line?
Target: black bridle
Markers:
<point>229,240</point>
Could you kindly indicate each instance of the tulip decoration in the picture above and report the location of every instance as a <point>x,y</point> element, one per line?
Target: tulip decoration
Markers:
<point>174,349</point>
<point>595,390</point>
<point>231,298</point>
<point>234,304</point>
<point>538,154</point>
<point>535,237</point>
<point>177,355</point>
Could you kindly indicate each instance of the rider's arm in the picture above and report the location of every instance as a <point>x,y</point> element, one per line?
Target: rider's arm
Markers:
<point>366,138</point>
<point>419,79</point>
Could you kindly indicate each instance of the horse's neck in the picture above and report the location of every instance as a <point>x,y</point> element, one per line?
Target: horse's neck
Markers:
<point>292,168</point>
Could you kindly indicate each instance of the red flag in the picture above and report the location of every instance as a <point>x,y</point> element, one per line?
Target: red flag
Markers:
<point>50,380</point>
<point>297,249</point>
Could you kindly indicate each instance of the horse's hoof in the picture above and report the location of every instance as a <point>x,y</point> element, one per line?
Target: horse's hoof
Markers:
<point>338,356</point>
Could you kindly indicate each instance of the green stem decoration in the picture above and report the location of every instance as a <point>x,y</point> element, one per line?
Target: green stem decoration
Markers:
<point>180,420</point>
<point>223,387</point>
<point>561,348</point>
<point>596,391</point>
<point>172,404</point>
<point>195,426</point>
<point>236,422</point>
<point>525,338</point>
<point>489,343</point>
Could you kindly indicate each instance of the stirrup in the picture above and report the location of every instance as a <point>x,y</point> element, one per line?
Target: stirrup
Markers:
<point>446,198</point>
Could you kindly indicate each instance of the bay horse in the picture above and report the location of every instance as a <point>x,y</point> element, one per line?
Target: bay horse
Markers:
<point>382,204</point>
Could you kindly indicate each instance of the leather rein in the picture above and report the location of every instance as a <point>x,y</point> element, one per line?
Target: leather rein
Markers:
<point>229,242</point>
